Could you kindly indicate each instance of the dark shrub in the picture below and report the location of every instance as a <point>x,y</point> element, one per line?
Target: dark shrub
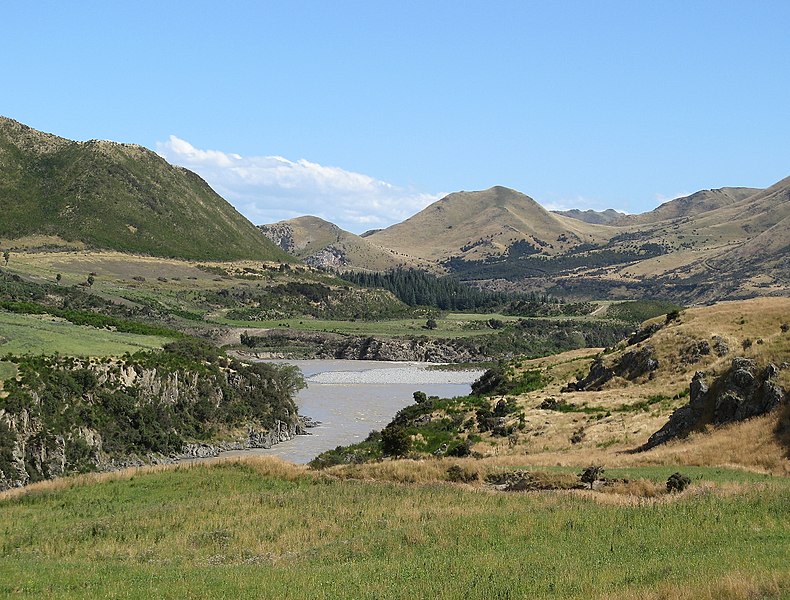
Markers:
<point>459,474</point>
<point>591,474</point>
<point>395,441</point>
<point>677,482</point>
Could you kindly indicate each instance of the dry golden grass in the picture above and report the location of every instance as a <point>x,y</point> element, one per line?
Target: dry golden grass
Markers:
<point>546,439</point>
<point>735,586</point>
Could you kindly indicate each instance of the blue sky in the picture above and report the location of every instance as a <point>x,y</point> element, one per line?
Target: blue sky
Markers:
<point>364,112</point>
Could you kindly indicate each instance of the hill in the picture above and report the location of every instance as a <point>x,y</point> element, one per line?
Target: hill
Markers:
<point>689,206</point>
<point>491,223</point>
<point>116,196</point>
<point>705,386</point>
<point>716,244</point>
<point>322,244</point>
<point>595,217</point>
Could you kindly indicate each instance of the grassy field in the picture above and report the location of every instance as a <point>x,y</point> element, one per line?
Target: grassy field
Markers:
<point>261,528</point>
<point>7,370</point>
<point>42,334</point>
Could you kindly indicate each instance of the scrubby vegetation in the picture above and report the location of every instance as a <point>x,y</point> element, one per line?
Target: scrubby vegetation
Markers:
<point>88,412</point>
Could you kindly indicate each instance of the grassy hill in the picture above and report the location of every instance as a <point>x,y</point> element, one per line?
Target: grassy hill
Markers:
<point>605,217</point>
<point>116,196</point>
<point>598,406</point>
<point>716,244</point>
<point>689,206</point>
<point>478,225</point>
<point>323,244</point>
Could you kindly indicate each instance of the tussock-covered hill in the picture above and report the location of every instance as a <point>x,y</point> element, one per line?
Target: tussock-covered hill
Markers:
<point>116,196</point>
<point>689,206</point>
<point>322,244</point>
<point>490,223</point>
<point>595,217</point>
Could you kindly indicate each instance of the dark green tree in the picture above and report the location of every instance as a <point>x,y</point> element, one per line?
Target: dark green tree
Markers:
<point>395,441</point>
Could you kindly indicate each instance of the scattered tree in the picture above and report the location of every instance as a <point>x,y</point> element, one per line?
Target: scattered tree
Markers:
<point>591,474</point>
<point>6,257</point>
<point>420,397</point>
<point>672,316</point>
<point>431,323</point>
<point>90,280</point>
<point>58,277</point>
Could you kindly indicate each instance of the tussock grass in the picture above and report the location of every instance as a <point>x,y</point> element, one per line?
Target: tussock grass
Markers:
<point>263,528</point>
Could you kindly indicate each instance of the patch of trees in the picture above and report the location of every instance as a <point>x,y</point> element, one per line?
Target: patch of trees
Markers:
<point>418,288</point>
<point>515,268</point>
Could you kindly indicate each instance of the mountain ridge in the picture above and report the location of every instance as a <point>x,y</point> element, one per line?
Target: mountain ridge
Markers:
<point>117,196</point>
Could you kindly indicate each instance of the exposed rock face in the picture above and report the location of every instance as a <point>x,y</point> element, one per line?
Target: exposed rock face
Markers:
<point>632,364</point>
<point>743,392</point>
<point>330,257</point>
<point>29,451</point>
<point>281,234</point>
<point>281,432</point>
<point>423,349</point>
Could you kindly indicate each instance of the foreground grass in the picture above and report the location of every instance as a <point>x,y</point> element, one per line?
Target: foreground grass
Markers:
<point>265,529</point>
<point>42,334</point>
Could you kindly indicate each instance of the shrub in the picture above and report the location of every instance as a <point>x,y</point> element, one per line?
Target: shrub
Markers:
<point>420,397</point>
<point>591,474</point>
<point>677,482</point>
<point>395,441</point>
<point>459,474</point>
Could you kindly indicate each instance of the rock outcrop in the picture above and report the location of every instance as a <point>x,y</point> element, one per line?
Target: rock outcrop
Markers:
<point>742,392</point>
<point>336,346</point>
<point>632,365</point>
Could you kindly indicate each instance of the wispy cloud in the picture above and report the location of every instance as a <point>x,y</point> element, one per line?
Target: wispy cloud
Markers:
<point>661,198</point>
<point>272,188</point>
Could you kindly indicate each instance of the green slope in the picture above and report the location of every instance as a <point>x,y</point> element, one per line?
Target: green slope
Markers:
<point>117,196</point>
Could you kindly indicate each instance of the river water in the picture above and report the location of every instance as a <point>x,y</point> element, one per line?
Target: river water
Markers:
<point>352,397</point>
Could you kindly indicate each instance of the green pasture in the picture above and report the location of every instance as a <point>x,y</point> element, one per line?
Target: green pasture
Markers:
<point>43,334</point>
<point>248,530</point>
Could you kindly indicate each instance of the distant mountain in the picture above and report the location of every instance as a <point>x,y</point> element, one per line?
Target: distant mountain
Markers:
<point>486,224</point>
<point>715,244</point>
<point>592,216</point>
<point>116,196</point>
<point>689,206</point>
<point>320,243</point>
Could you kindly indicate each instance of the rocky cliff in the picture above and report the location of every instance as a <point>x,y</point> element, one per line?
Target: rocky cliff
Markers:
<point>66,415</point>
<point>296,344</point>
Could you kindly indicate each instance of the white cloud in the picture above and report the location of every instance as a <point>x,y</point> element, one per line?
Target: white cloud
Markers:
<point>272,188</point>
<point>661,198</point>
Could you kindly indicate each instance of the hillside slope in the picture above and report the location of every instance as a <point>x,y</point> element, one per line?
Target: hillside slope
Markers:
<point>606,217</point>
<point>116,196</point>
<point>688,206</point>
<point>320,243</point>
<point>478,225</point>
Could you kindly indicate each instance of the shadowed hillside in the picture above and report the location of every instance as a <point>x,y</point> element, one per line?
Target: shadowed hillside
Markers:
<point>116,196</point>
